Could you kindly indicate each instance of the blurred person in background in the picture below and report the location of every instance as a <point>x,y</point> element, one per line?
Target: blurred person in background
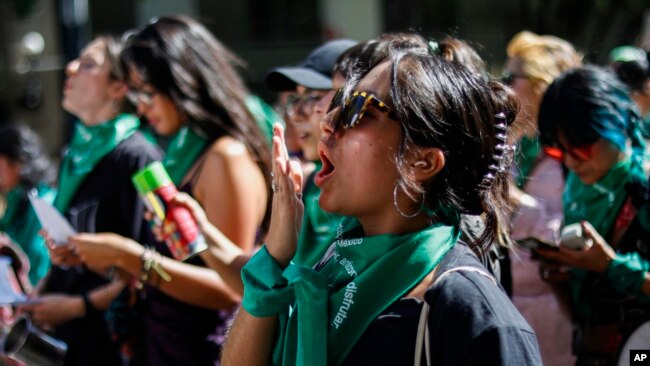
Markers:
<point>96,194</point>
<point>588,121</point>
<point>25,169</point>
<point>632,67</point>
<point>533,63</point>
<point>185,82</point>
<point>312,84</point>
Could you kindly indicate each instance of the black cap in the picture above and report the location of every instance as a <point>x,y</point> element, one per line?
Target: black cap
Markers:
<point>313,73</point>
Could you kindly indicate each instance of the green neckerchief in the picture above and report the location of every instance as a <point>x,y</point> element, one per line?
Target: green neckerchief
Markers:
<point>22,228</point>
<point>528,150</point>
<point>334,306</point>
<point>598,203</point>
<point>88,147</point>
<point>318,227</point>
<point>183,151</point>
<point>264,115</point>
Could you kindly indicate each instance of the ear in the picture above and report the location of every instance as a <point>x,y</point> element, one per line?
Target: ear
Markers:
<point>117,89</point>
<point>426,163</point>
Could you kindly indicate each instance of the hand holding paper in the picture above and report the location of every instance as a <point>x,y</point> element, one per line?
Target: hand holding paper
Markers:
<point>57,227</point>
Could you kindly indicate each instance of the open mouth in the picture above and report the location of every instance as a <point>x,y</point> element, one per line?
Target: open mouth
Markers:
<point>326,170</point>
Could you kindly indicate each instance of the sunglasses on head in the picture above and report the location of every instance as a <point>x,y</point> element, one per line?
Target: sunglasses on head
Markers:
<point>356,106</point>
<point>579,153</point>
<point>139,96</point>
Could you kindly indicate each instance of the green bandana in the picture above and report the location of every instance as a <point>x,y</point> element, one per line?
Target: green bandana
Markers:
<point>333,307</point>
<point>264,115</point>
<point>88,147</point>
<point>183,151</point>
<point>527,152</point>
<point>318,227</point>
<point>597,203</point>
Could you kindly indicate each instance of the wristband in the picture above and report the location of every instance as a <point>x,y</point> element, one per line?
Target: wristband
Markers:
<point>88,305</point>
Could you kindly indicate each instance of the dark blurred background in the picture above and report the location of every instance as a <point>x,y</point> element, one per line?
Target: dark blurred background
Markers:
<point>38,37</point>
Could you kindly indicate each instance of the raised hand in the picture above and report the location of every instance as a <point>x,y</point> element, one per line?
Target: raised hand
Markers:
<point>287,209</point>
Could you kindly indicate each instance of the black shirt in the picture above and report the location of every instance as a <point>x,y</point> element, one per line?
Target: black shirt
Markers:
<point>471,322</point>
<point>106,201</point>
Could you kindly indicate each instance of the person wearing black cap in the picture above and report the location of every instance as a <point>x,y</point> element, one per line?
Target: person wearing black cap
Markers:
<point>312,83</point>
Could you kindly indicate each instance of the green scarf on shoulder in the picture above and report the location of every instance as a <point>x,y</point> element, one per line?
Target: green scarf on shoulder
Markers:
<point>332,307</point>
<point>87,148</point>
<point>182,152</point>
<point>597,203</point>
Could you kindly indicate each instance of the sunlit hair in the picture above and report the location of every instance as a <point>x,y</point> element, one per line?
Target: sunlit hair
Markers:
<point>543,58</point>
<point>181,59</point>
<point>441,103</point>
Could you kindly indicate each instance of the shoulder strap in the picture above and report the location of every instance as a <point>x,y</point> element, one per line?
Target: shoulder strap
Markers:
<point>422,339</point>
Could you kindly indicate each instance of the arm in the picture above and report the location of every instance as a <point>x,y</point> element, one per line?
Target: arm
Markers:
<point>52,310</point>
<point>222,254</point>
<point>232,190</point>
<point>248,331</point>
<point>191,284</point>
<point>628,273</point>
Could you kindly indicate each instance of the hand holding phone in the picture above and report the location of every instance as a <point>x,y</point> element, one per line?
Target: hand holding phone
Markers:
<point>572,237</point>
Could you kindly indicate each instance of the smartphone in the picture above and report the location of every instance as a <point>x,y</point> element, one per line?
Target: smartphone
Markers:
<point>572,237</point>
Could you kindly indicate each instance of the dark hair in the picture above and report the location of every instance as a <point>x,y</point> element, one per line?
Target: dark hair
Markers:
<point>441,103</point>
<point>181,59</point>
<point>633,73</point>
<point>589,103</point>
<point>366,55</point>
<point>113,49</point>
<point>21,145</point>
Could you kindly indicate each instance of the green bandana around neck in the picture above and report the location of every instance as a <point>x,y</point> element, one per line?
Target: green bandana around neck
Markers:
<point>597,203</point>
<point>182,152</point>
<point>334,306</point>
<point>527,153</point>
<point>87,148</point>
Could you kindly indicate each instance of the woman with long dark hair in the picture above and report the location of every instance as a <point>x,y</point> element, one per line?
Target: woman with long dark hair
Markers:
<point>408,146</point>
<point>185,83</point>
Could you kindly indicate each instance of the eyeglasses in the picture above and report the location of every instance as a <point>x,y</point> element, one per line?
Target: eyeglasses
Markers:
<point>579,153</point>
<point>356,106</point>
<point>303,103</point>
<point>139,96</point>
<point>508,78</point>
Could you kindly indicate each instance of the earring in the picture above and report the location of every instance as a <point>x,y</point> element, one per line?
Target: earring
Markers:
<point>402,212</point>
